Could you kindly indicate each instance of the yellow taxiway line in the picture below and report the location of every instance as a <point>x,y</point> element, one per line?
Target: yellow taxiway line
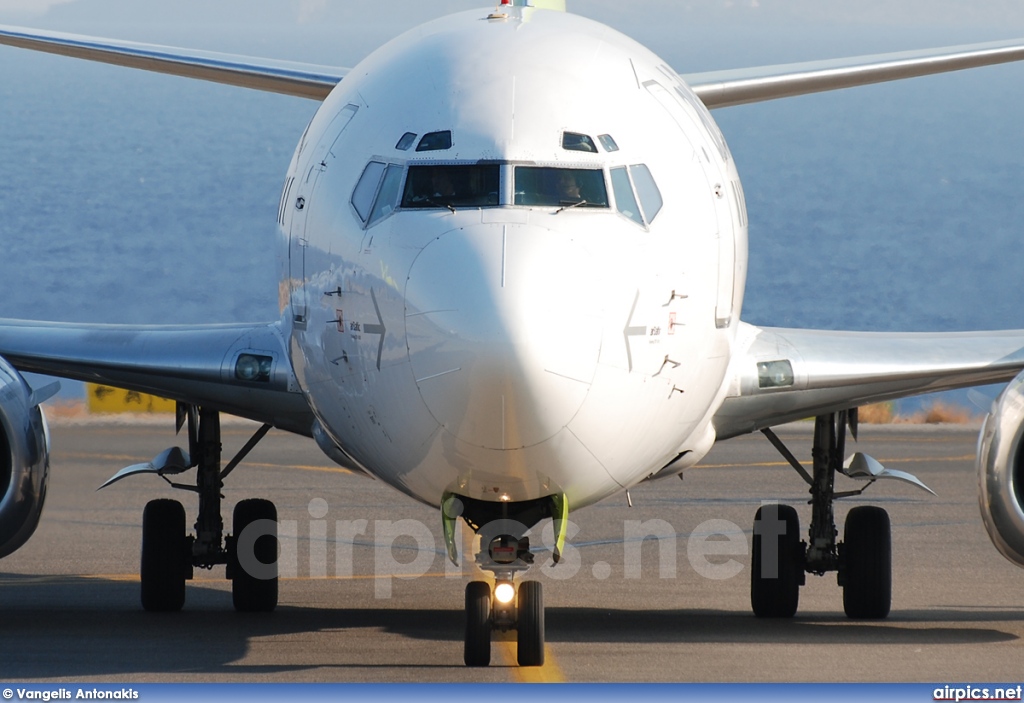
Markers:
<point>549,673</point>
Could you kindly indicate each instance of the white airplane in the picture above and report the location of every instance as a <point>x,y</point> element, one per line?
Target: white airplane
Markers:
<point>513,253</point>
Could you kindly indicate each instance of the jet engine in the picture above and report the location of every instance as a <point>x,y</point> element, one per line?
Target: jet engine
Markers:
<point>24,458</point>
<point>1001,472</point>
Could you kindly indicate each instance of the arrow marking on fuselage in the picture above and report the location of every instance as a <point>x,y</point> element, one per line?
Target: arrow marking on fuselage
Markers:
<point>629,331</point>
<point>376,329</point>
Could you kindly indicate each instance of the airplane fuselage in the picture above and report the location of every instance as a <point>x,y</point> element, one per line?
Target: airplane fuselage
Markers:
<point>513,258</point>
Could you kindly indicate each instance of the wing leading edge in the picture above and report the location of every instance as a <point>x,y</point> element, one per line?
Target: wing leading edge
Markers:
<point>751,85</point>
<point>715,88</point>
<point>780,375</point>
<point>285,77</point>
<point>196,365</point>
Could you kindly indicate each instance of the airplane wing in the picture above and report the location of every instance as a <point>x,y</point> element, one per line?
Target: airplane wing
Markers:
<point>238,369</point>
<point>715,88</point>
<point>751,85</point>
<point>780,375</point>
<point>285,77</point>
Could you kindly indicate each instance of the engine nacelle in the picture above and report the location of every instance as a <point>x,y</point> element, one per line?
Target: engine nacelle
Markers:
<point>24,460</point>
<point>1001,472</point>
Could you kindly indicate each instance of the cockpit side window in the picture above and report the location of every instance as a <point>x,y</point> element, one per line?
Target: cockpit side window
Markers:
<point>387,198</point>
<point>366,189</point>
<point>625,201</point>
<point>560,187</point>
<point>447,186</point>
<point>647,190</point>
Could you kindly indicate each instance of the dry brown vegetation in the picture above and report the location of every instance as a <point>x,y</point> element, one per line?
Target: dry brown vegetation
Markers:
<point>877,414</point>
<point>76,412</point>
<point>66,409</point>
<point>938,412</point>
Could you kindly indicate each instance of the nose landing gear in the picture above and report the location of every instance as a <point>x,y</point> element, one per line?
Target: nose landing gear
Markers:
<point>505,608</point>
<point>521,610</point>
<point>505,552</point>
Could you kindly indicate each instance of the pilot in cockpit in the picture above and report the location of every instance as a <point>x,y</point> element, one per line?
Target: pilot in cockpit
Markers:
<point>568,187</point>
<point>441,186</point>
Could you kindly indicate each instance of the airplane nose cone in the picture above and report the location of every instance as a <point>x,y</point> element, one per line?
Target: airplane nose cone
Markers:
<point>501,339</point>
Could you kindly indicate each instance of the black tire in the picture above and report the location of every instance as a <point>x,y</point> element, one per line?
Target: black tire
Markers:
<point>165,557</point>
<point>478,624</point>
<point>254,592</point>
<point>867,563</point>
<point>775,583</point>
<point>530,623</point>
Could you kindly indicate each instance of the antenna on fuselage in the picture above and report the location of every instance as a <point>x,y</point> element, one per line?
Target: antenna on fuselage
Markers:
<point>500,14</point>
<point>542,4</point>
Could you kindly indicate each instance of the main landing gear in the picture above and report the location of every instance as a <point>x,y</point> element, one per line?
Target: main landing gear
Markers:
<point>863,560</point>
<point>505,552</point>
<point>170,554</point>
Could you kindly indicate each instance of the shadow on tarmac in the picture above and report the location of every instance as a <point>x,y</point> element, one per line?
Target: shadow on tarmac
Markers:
<point>69,626</point>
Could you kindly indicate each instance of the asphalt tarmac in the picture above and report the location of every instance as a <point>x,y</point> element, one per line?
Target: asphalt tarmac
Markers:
<point>671,608</point>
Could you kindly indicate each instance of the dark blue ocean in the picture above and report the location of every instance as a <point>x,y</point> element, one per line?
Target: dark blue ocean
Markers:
<point>127,197</point>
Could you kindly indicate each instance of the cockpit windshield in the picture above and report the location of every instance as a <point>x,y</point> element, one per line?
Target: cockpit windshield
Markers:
<point>560,187</point>
<point>445,186</point>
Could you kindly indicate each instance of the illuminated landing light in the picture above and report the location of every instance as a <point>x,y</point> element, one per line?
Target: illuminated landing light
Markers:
<point>504,593</point>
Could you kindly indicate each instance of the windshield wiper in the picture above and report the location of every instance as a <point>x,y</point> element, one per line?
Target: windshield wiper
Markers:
<point>568,205</point>
<point>437,204</point>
